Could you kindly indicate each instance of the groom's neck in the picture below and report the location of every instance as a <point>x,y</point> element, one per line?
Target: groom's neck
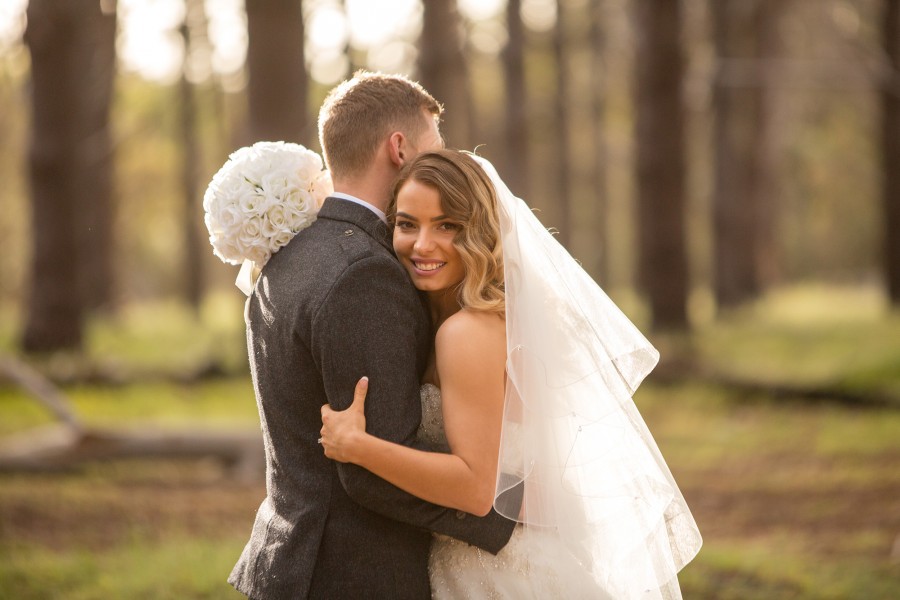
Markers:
<point>374,189</point>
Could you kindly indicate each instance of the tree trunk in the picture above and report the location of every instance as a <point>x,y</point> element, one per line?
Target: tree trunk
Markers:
<point>443,72</point>
<point>563,187</point>
<point>194,249</point>
<point>768,145</point>
<point>515,171</point>
<point>72,47</point>
<point>735,124</point>
<point>660,163</point>
<point>890,149</point>
<point>747,138</point>
<point>598,113</point>
<point>277,85</point>
<point>97,68</point>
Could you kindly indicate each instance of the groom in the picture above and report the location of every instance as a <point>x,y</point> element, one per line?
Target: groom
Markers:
<point>331,306</point>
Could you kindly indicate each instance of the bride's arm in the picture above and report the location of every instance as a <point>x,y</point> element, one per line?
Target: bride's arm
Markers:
<point>471,359</point>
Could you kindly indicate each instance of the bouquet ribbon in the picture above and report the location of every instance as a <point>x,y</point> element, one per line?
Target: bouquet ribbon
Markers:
<point>247,277</point>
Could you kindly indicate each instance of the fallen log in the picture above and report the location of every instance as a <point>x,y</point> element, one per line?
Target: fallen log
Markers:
<point>60,447</point>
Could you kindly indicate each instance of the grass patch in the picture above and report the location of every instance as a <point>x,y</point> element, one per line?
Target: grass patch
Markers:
<point>186,567</point>
<point>150,339</point>
<point>742,570</point>
<point>844,338</point>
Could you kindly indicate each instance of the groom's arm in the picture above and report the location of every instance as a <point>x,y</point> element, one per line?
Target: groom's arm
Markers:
<point>368,325</point>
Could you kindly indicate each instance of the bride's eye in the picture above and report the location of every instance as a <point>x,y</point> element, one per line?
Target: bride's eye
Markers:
<point>448,226</point>
<point>404,225</point>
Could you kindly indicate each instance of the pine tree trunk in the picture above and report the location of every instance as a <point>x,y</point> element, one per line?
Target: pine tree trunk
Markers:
<point>736,105</point>
<point>747,138</point>
<point>661,164</point>
<point>515,171</point>
<point>96,70</point>
<point>598,113</point>
<point>563,188</point>
<point>767,150</point>
<point>190,148</point>
<point>72,49</point>
<point>890,149</point>
<point>278,83</point>
<point>443,72</point>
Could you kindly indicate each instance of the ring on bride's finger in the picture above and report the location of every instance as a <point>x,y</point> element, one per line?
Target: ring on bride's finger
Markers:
<point>319,441</point>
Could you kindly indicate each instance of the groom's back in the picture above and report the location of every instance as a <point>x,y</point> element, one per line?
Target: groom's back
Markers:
<point>309,537</point>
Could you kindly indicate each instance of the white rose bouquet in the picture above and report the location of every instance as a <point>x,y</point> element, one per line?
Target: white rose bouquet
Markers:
<point>261,198</point>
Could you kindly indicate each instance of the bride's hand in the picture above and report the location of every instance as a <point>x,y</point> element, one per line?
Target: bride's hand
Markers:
<point>342,430</point>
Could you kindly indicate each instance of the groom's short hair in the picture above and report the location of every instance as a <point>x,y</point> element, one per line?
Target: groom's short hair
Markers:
<point>359,113</point>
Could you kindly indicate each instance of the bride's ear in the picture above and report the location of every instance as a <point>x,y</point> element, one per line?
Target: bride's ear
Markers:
<point>398,149</point>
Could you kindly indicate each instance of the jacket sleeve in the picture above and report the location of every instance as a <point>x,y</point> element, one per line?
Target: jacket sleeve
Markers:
<point>370,324</point>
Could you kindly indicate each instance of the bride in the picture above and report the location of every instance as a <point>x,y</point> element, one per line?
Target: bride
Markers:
<point>529,382</point>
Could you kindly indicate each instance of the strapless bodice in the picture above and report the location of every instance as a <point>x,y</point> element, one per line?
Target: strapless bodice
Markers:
<point>431,431</point>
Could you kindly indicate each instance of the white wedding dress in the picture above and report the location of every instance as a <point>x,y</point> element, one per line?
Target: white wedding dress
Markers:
<point>533,565</point>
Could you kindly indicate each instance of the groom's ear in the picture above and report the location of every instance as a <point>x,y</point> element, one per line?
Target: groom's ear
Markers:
<point>398,149</point>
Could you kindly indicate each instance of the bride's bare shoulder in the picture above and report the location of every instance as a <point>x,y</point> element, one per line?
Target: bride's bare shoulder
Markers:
<point>470,330</point>
<point>470,351</point>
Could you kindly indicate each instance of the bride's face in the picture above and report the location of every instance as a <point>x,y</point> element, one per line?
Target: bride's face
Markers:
<point>423,238</point>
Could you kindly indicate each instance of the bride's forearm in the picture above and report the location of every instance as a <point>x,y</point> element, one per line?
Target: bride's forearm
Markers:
<point>443,479</point>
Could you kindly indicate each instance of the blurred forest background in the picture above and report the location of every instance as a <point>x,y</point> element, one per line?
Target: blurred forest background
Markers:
<point>728,170</point>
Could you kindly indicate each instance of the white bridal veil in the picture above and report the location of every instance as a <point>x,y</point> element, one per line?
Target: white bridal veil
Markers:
<point>571,432</point>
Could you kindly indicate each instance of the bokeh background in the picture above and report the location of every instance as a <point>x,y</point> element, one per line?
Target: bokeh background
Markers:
<point>728,170</point>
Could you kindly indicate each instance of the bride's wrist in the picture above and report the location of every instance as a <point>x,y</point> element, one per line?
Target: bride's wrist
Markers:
<point>355,447</point>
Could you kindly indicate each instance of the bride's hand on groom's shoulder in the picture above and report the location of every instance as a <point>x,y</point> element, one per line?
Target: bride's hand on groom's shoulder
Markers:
<point>342,430</point>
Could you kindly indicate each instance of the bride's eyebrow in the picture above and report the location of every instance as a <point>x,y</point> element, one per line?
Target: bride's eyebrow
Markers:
<point>412,218</point>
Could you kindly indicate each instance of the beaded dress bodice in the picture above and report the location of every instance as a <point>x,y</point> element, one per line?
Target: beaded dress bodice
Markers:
<point>431,431</point>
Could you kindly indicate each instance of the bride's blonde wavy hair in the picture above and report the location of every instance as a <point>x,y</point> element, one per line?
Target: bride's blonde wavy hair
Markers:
<point>467,197</point>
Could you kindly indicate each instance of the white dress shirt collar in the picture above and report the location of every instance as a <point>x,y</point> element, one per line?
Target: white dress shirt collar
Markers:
<point>361,202</point>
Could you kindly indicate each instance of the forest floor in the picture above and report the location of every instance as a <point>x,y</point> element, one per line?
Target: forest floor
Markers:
<point>795,499</point>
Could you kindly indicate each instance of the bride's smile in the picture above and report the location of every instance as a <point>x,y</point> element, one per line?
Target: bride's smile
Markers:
<point>424,236</point>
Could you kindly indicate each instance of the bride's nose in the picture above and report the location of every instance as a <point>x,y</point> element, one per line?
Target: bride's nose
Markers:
<point>424,242</point>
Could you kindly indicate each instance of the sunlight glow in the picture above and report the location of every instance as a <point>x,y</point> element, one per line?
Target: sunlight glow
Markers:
<point>327,28</point>
<point>488,36</point>
<point>227,30</point>
<point>327,33</point>
<point>479,10</point>
<point>539,15</point>
<point>12,22</point>
<point>150,43</point>
<point>397,56</point>
<point>376,22</point>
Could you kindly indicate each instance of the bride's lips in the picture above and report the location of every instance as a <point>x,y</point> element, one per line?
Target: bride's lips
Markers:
<point>426,268</point>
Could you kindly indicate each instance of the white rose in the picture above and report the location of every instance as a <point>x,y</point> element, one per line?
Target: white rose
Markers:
<point>250,232</point>
<point>307,169</point>
<point>226,251</point>
<point>280,239</point>
<point>228,216</point>
<point>275,220</point>
<point>322,187</point>
<point>275,184</point>
<point>251,202</point>
<point>259,255</point>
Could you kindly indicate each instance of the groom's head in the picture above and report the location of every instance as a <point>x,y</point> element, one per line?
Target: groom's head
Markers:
<point>375,115</point>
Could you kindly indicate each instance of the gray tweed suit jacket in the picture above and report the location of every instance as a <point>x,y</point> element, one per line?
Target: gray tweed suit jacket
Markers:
<point>331,306</point>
